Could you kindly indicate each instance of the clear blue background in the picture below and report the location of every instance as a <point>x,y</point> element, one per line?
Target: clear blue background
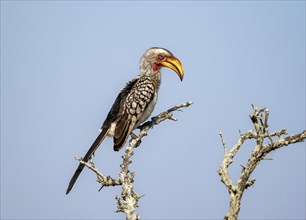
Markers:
<point>64,62</point>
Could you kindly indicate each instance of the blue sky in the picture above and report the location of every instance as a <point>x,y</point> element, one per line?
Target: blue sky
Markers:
<point>64,62</point>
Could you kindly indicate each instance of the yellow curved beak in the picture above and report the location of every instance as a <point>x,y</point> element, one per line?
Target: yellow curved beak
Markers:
<point>174,64</point>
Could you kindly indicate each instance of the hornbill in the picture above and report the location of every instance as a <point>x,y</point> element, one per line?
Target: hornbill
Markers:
<point>135,102</point>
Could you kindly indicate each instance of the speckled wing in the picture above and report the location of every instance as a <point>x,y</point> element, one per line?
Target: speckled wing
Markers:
<point>117,106</point>
<point>134,110</point>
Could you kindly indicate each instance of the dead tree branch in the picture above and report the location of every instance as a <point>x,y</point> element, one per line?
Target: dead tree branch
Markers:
<point>261,132</point>
<point>128,202</point>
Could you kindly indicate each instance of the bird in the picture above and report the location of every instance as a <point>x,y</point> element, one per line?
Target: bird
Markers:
<point>135,102</point>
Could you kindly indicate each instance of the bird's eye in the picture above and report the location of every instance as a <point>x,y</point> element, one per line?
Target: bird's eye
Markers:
<point>161,57</point>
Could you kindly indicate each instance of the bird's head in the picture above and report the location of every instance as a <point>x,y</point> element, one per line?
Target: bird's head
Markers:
<point>155,58</point>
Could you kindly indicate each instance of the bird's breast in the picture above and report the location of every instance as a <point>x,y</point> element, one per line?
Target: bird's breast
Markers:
<point>148,110</point>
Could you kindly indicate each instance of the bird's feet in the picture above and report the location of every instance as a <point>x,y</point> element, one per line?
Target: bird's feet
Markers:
<point>147,123</point>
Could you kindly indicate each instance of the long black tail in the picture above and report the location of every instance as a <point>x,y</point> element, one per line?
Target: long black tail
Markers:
<point>88,155</point>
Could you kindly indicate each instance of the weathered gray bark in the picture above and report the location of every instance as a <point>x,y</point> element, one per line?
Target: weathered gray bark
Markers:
<point>128,202</point>
<point>261,132</point>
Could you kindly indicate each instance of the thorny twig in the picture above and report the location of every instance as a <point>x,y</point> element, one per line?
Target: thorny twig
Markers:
<point>259,119</point>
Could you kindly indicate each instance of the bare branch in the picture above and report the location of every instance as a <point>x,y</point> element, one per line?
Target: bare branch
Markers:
<point>128,202</point>
<point>104,180</point>
<point>259,118</point>
<point>129,199</point>
<point>223,143</point>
